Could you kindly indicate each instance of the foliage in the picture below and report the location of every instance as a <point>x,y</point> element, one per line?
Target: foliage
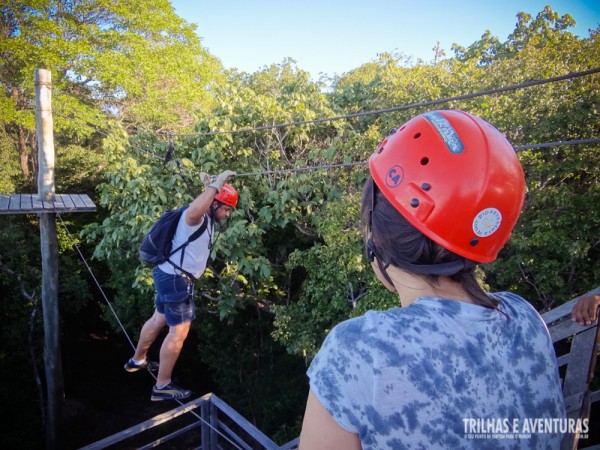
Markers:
<point>256,376</point>
<point>134,61</point>
<point>553,255</point>
<point>337,280</point>
<point>289,265</point>
<point>9,167</point>
<point>293,249</point>
<point>21,331</point>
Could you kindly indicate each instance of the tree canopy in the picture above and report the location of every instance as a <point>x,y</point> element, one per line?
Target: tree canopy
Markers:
<point>134,62</point>
<point>132,83</point>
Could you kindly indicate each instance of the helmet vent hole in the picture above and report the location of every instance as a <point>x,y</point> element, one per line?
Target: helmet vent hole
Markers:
<point>474,242</point>
<point>417,136</point>
<point>424,161</point>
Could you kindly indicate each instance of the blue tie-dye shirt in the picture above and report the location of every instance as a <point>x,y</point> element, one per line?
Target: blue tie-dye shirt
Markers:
<point>441,374</point>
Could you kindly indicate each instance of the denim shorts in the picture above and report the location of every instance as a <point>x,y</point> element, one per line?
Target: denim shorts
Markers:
<point>173,298</point>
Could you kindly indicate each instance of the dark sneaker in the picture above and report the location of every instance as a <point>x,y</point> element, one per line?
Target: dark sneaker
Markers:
<point>130,366</point>
<point>169,392</point>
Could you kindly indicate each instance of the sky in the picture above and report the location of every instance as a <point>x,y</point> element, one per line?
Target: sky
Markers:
<point>332,37</point>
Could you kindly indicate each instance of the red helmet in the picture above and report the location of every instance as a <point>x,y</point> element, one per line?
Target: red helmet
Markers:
<point>227,195</point>
<point>455,178</point>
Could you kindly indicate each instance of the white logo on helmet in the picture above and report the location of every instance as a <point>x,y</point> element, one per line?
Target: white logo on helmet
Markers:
<point>487,222</point>
<point>446,131</point>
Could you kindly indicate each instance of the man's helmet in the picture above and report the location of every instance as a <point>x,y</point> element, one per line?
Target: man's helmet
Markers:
<point>455,178</point>
<point>227,195</point>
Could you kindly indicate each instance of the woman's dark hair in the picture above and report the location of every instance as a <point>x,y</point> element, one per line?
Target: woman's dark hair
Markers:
<point>400,244</point>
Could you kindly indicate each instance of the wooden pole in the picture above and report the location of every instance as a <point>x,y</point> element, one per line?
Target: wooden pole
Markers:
<point>45,136</point>
<point>49,250</point>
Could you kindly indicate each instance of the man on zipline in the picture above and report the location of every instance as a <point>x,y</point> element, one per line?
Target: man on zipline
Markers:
<point>174,285</point>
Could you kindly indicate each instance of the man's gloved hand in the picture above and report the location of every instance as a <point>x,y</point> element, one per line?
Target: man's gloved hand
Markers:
<point>205,178</point>
<point>221,179</point>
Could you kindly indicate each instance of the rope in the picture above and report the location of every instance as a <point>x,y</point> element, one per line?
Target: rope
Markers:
<point>514,87</point>
<point>362,163</point>
<point>558,143</point>
<point>76,247</point>
<point>301,169</point>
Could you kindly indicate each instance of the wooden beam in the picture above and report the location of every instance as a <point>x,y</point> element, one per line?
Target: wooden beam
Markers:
<point>45,134</point>
<point>49,250</point>
<point>155,421</point>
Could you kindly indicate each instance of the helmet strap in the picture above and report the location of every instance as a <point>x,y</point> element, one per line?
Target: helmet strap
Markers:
<point>372,255</point>
<point>372,252</point>
<point>213,209</point>
<point>443,269</point>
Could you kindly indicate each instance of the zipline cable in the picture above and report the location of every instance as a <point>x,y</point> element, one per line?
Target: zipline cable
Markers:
<point>76,247</point>
<point>301,169</point>
<point>558,143</point>
<point>514,87</point>
<point>362,163</point>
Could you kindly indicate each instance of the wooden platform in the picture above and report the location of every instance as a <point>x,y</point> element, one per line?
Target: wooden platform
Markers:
<point>576,347</point>
<point>30,204</point>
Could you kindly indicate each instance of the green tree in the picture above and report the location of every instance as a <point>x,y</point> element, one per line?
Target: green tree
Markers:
<point>133,61</point>
<point>290,264</point>
<point>553,255</point>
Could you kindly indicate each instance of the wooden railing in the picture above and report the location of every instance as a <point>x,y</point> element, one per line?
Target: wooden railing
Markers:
<point>221,427</point>
<point>576,350</point>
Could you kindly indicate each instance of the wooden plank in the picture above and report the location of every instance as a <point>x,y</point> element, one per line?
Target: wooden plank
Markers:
<point>559,319</point>
<point>67,202</point>
<point>566,328</point>
<point>559,312</point>
<point>579,362</point>
<point>30,203</point>
<point>213,421</point>
<point>36,203</point>
<point>4,201</point>
<point>170,436</point>
<point>292,445</point>
<point>565,309</point>
<point>78,202</point>
<point>87,201</point>
<point>136,429</point>
<point>15,202</point>
<point>254,432</point>
<point>48,206</point>
<point>239,442</point>
<point>205,417</point>
<point>58,203</point>
<point>25,203</point>
<point>562,360</point>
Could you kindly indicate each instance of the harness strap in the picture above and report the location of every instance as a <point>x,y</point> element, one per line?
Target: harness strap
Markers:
<point>191,279</point>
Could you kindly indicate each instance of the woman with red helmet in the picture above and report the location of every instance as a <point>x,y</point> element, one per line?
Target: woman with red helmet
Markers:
<point>455,366</point>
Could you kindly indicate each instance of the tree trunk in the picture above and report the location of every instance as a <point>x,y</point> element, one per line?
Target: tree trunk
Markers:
<point>23,156</point>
